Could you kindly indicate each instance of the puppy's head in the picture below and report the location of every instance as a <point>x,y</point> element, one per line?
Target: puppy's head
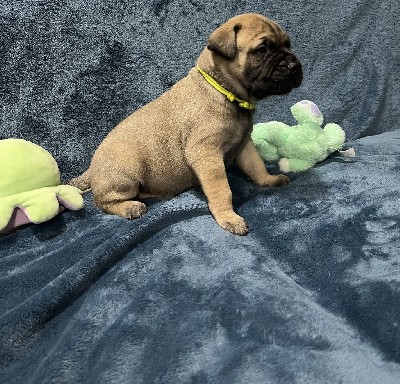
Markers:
<point>256,52</point>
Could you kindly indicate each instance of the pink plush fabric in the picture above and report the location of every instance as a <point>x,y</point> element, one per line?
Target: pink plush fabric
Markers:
<point>19,218</point>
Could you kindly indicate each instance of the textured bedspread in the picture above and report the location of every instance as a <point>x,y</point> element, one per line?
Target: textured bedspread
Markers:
<point>311,295</point>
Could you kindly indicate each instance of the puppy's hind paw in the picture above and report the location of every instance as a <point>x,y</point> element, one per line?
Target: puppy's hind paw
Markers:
<point>128,209</point>
<point>134,209</point>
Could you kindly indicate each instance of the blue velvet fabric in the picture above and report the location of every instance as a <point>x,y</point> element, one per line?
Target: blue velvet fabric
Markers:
<point>311,295</point>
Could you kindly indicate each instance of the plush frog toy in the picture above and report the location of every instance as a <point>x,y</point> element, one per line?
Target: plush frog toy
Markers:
<point>30,190</point>
<point>301,146</point>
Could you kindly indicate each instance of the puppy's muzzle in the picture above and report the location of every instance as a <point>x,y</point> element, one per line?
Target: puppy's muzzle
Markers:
<point>288,73</point>
<point>296,72</point>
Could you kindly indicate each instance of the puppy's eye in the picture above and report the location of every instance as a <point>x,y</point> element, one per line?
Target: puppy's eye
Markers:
<point>262,49</point>
<point>266,47</point>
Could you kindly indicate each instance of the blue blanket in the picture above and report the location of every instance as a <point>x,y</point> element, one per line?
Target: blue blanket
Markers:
<point>311,295</point>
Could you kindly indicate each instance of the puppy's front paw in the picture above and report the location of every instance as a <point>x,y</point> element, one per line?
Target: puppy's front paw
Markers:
<point>276,181</point>
<point>233,223</point>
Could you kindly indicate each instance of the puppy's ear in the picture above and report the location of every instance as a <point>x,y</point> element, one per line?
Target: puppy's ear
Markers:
<point>223,40</point>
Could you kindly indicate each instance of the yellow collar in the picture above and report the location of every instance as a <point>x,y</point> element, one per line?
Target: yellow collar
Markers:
<point>229,95</point>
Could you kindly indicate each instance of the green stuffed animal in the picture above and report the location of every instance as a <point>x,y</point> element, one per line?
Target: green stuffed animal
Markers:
<point>301,146</point>
<point>30,190</point>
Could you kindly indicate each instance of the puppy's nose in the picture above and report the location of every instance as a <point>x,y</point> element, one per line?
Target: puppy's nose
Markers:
<point>294,65</point>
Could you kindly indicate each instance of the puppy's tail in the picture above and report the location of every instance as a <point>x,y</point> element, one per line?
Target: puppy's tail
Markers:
<point>81,182</point>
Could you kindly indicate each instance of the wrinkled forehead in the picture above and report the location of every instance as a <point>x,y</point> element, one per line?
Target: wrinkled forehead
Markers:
<point>253,32</point>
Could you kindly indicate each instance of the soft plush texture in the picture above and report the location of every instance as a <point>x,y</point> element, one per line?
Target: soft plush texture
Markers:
<point>30,190</point>
<point>311,295</point>
<point>299,147</point>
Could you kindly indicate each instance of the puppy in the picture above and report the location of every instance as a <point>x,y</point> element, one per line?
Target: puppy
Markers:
<point>187,135</point>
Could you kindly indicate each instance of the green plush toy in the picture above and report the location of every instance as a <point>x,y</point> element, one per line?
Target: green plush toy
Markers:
<point>301,146</point>
<point>30,190</point>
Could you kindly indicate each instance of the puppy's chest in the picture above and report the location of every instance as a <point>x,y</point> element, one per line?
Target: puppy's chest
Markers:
<point>234,138</point>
